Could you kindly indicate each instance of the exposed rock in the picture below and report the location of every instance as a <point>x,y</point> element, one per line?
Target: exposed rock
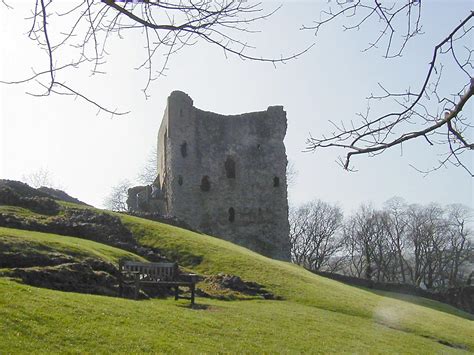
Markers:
<point>9,197</point>
<point>17,260</point>
<point>74,277</point>
<point>86,224</point>
<point>22,189</point>
<point>92,225</point>
<point>43,205</point>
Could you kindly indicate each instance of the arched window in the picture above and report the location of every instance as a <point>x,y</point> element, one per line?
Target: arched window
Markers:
<point>184,149</point>
<point>231,215</point>
<point>230,168</point>
<point>180,180</point>
<point>205,183</point>
<point>276,181</point>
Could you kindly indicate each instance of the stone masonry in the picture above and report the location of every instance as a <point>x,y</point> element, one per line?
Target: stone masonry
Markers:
<point>222,175</point>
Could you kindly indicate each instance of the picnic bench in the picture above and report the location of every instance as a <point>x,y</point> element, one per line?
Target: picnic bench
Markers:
<point>165,274</point>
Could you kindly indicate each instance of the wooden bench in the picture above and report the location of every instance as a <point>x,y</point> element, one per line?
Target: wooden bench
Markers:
<point>165,274</point>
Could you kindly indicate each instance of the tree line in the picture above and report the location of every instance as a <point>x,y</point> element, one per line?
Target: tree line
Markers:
<point>429,246</point>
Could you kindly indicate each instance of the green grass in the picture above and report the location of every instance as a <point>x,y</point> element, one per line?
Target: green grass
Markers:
<point>300,286</point>
<point>27,244</point>
<point>316,315</point>
<point>442,307</point>
<point>22,212</point>
<point>37,320</point>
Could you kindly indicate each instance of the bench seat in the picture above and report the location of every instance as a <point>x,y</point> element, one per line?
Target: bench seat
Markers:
<point>164,274</point>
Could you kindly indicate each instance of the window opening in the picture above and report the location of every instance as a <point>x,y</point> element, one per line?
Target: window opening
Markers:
<point>184,149</point>
<point>230,168</point>
<point>276,181</point>
<point>205,183</point>
<point>231,214</point>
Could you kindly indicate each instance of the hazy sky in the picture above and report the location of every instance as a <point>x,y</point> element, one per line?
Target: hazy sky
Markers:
<point>87,153</point>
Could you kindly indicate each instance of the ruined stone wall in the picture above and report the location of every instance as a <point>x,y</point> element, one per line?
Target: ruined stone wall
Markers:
<point>226,175</point>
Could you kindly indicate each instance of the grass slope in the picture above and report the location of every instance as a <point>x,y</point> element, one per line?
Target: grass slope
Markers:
<point>300,286</point>
<point>26,244</point>
<point>316,315</point>
<point>41,320</point>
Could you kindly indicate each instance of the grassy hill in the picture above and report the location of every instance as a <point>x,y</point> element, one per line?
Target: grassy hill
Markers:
<point>24,246</point>
<point>315,314</point>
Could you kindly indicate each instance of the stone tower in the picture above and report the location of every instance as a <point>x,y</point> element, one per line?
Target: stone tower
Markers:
<point>226,175</point>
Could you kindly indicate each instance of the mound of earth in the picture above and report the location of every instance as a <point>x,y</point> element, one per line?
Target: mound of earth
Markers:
<point>224,286</point>
<point>27,198</point>
<point>83,277</point>
<point>16,193</point>
<point>22,189</point>
<point>61,195</point>
<point>86,224</point>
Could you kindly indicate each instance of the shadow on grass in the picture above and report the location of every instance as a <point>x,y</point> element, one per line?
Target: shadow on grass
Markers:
<point>421,301</point>
<point>197,306</point>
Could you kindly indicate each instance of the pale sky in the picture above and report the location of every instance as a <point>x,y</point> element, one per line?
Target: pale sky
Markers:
<point>87,154</point>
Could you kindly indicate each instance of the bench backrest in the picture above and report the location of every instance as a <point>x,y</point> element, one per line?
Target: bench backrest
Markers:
<point>151,271</point>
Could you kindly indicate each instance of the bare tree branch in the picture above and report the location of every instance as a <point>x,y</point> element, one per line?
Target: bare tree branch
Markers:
<point>82,29</point>
<point>437,122</point>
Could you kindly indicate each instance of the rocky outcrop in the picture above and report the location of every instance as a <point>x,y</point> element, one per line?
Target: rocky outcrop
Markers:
<point>38,203</point>
<point>221,282</point>
<point>91,276</point>
<point>17,193</point>
<point>22,189</point>
<point>87,224</point>
<point>61,195</point>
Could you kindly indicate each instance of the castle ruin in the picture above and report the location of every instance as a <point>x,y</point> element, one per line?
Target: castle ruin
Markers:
<point>222,175</point>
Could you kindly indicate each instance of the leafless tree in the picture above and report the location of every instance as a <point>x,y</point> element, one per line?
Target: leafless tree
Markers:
<point>149,171</point>
<point>426,246</point>
<point>40,178</point>
<point>78,33</point>
<point>460,249</point>
<point>395,209</point>
<point>384,256</point>
<point>117,199</point>
<point>374,245</point>
<point>360,237</point>
<point>315,234</point>
<point>433,111</point>
<point>355,264</point>
<point>426,236</point>
<point>291,173</point>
